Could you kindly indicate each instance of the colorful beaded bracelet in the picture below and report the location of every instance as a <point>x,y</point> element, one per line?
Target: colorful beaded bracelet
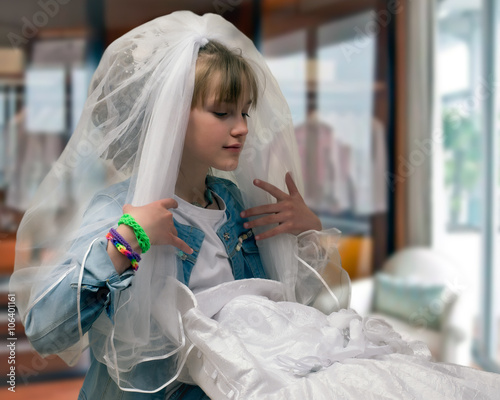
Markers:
<point>123,249</point>
<point>120,239</point>
<point>141,236</point>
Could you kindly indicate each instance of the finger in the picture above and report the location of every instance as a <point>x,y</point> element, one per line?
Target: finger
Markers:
<point>271,219</point>
<point>173,231</point>
<point>271,232</point>
<point>273,190</point>
<point>182,245</point>
<point>168,203</point>
<point>290,184</point>
<point>259,210</point>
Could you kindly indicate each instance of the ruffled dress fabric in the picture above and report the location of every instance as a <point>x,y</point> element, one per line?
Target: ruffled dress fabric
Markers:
<point>254,346</point>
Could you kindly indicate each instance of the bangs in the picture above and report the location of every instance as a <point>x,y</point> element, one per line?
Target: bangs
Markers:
<point>223,73</point>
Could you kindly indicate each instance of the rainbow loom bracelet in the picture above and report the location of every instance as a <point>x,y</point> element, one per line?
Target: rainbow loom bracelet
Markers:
<point>120,239</point>
<point>122,249</point>
<point>141,236</point>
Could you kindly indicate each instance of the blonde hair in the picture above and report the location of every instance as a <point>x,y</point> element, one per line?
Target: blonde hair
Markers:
<point>223,72</point>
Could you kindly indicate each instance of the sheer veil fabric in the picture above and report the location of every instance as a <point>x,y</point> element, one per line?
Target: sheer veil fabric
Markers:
<point>132,129</point>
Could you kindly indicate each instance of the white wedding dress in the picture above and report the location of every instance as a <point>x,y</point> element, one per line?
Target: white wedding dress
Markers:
<point>248,344</point>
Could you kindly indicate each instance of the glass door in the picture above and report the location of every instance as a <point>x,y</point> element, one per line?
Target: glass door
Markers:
<point>466,198</point>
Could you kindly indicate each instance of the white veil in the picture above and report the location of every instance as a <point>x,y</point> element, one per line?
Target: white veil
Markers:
<point>132,128</point>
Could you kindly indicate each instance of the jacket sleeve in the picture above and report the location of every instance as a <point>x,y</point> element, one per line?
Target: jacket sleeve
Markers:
<point>52,322</point>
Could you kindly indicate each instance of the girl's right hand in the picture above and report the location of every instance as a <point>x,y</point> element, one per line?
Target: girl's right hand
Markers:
<point>158,223</point>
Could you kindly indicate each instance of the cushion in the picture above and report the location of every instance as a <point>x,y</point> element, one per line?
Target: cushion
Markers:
<point>420,305</point>
<point>433,339</point>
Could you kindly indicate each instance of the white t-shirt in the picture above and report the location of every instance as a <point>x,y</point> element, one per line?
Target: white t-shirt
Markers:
<point>212,266</point>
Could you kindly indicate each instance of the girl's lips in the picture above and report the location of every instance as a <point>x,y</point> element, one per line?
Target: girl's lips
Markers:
<point>233,149</point>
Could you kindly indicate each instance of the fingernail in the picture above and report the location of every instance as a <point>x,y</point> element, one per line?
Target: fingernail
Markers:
<point>257,237</point>
<point>256,181</point>
<point>242,214</point>
<point>245,224</point>
<point>191,251</point>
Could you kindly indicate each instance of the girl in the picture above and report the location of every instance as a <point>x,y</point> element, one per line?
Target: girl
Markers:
<point>179,110</point>
<point>189,144</point>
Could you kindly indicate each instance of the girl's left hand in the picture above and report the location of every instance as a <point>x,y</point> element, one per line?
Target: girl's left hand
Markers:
<point>290,212</point>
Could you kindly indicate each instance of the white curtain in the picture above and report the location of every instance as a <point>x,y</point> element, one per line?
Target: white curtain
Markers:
<point>422,137</point>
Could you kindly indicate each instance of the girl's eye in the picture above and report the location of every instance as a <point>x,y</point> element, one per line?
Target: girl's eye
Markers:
<point>220,114</point>
<point>246,115</point>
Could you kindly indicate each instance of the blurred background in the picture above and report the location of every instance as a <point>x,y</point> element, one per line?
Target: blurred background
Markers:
<point>396,116</point>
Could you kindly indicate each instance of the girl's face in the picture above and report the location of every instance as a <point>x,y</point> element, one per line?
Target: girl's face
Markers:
<point>216,134</point>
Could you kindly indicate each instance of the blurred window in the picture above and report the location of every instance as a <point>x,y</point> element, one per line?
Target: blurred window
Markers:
<point>45,100</point>
<point>286,57</point>
<point>458,76</point>
<point>461,189</point>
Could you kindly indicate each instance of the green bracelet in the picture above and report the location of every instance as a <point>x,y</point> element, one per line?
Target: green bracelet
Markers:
<point>141,236</point>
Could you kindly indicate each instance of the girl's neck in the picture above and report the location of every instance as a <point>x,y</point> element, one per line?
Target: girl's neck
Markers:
<point>190,185</point>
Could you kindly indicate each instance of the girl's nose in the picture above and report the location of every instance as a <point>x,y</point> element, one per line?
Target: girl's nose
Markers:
<point>240,128</point>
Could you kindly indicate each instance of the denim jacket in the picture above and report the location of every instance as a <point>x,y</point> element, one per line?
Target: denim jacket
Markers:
<point>51,324</point>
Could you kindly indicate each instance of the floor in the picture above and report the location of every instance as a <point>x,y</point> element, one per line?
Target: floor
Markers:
<point>66,389</point>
